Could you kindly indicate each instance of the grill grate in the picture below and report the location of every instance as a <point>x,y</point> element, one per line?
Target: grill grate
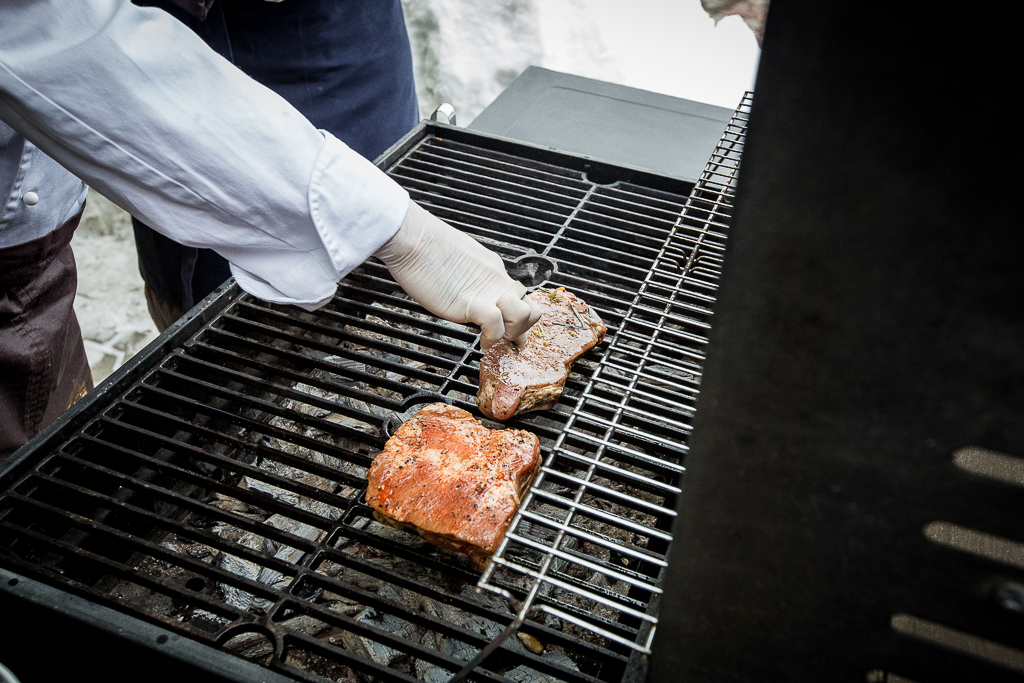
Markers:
<point>217,489</point>
<point>628,427</point>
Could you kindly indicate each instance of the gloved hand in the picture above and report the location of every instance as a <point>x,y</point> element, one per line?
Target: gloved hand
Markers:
<point>455,277</point>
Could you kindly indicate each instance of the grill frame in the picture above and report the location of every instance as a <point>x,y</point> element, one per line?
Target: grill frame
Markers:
<point>156,353</point>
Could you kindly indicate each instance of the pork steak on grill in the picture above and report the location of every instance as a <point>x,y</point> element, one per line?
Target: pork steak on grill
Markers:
<point>517,379</point>
<point>453,480</point>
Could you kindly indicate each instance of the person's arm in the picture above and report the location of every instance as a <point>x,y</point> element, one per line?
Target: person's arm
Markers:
<point>135,104</point>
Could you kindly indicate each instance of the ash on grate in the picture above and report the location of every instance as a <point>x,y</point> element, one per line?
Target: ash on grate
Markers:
<point>403,599</point>
<point>279,479</point>
<point>243,600</point>
<point>394,604</point>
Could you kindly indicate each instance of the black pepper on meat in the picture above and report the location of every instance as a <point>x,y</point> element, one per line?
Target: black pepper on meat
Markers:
<point>518,380</point>
<point>465,466</point>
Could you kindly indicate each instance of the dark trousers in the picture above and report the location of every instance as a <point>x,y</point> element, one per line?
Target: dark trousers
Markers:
<point>346,65</point>
<point>43,367</point>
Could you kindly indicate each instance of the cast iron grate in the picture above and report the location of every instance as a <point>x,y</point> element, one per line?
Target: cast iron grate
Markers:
<point>219,491</point>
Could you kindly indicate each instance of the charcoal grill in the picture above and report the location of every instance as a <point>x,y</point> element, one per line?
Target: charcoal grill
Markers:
<point>214,487</point>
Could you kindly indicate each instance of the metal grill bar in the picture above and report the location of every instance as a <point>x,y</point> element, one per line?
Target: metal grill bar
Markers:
<point>661,333</point>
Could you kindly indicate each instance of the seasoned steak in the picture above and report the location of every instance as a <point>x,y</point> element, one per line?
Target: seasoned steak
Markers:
<point>516,379</point>
<point>453,480</point>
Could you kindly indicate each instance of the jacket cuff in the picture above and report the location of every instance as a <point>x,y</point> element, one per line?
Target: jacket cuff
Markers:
<point>355,206</point>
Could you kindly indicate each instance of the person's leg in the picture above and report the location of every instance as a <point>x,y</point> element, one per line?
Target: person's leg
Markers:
<point>176,277</point>
<point>162,311</point>
<point>43,366</point>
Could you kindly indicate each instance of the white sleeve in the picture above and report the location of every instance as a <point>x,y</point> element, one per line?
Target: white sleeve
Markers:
<point>135,104</point>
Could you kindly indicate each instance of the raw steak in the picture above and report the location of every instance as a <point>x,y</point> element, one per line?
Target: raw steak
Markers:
<point>453,480</point>
<point>516,380</point>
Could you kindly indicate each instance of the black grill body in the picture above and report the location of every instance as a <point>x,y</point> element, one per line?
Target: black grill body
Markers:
<point>208,498</point>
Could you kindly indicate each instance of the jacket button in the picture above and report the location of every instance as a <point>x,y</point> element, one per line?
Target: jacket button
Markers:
<point>30,198</point>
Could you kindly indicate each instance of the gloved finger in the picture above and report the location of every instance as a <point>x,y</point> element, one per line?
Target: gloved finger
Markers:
<point>491,322</point>
<point>520,315</point>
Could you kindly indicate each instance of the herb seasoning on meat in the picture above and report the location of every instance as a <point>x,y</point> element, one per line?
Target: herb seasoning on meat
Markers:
<point>466,466</point>
<point>515,379</point>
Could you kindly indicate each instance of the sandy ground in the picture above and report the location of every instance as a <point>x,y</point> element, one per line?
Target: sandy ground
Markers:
<point>465,52</point>
<point>110,305</point>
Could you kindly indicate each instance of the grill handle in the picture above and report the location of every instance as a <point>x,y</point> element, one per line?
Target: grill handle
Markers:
<point>446,112</point>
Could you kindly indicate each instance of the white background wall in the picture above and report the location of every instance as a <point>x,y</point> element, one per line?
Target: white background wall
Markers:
<point>468,51</point>
<point>465,52</point>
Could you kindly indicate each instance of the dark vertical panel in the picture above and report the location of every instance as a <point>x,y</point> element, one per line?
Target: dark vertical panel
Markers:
<point>870,322</point>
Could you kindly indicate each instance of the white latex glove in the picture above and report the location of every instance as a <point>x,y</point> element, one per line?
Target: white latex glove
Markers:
<point>455,277</point>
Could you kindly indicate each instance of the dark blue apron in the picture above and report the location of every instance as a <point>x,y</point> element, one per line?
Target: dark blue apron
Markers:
<point>345,64</point>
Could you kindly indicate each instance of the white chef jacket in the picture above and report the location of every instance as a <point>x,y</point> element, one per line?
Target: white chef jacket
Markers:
<point>25,172</point>
<point>130,100</point>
